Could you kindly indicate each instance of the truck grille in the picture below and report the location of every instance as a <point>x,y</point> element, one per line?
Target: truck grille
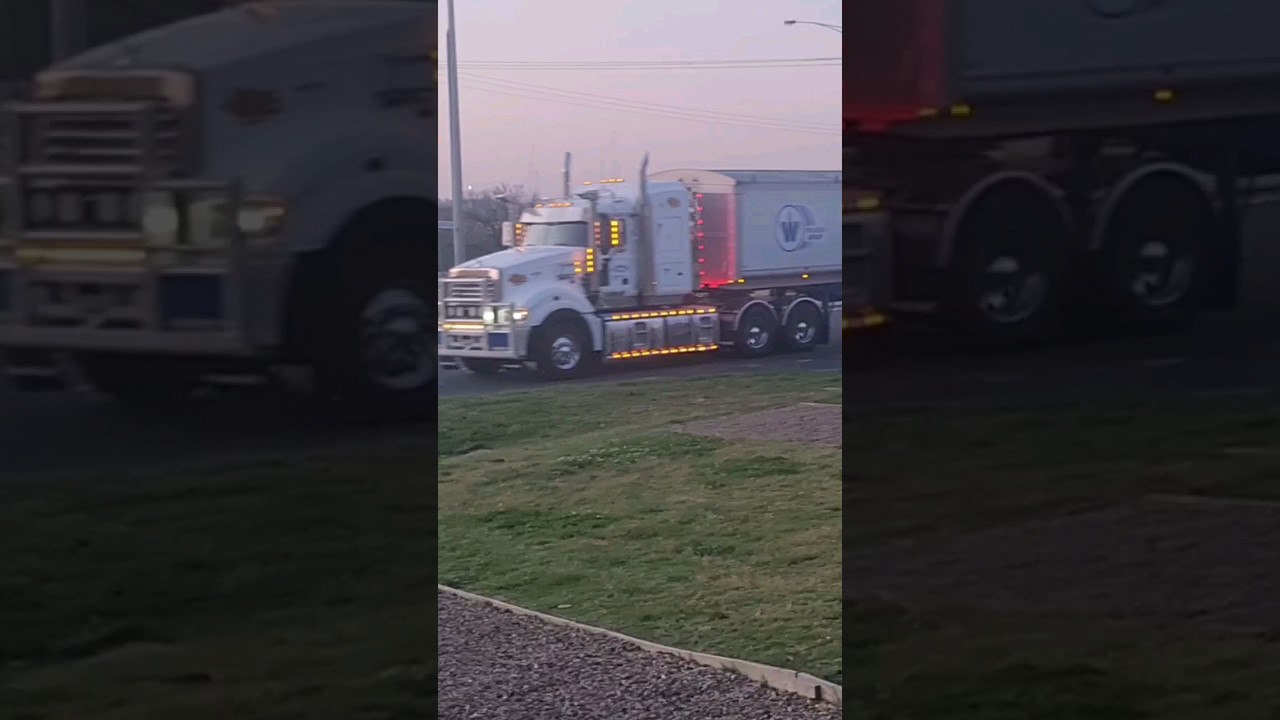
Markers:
<point>104,139</point>
<point>479,290</point>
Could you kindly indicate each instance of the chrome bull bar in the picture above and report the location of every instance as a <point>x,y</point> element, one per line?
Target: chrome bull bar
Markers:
<point>137,289</point>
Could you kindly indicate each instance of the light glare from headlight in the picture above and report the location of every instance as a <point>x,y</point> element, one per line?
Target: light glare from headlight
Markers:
<point>160,221</point>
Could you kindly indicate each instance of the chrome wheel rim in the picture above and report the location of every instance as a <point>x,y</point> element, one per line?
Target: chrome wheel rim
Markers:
<point>565,353</point>
<point>1011,292</point>
<point>1160,275</point>
<point>757,337</point>
<point>394,340</point>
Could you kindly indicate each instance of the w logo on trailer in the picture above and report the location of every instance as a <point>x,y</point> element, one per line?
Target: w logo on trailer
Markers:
<point>796,227</point>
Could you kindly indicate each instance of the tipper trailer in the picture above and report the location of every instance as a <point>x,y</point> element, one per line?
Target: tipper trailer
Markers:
<point>1014,167</point>
<point>682,261</point>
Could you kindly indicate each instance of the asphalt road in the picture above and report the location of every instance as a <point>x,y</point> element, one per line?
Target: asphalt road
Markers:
<point>1238,353</point>
<point>52,434</point>
<point>1221,356</point>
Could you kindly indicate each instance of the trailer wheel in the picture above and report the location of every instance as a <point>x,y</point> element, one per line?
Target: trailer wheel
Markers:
<point>803,327</point>
<point>562,351</point>
<point>142,381</point>
<point>1009,269</point>
<point>1156,249</point>
<point>757,332</point>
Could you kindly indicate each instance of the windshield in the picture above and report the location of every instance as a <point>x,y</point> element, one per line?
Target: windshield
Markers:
<point>567,234</point>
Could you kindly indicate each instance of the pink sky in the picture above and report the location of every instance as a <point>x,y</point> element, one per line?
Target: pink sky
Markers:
<point>515,130</point>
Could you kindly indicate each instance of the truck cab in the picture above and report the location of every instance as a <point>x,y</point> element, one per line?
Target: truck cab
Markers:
<point>241,192</point>
<point>621,270</point>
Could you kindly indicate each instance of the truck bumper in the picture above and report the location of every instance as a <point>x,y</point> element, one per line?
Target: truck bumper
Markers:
<point>130,341</point>
<point>122,309</point>
<point>491,343</point>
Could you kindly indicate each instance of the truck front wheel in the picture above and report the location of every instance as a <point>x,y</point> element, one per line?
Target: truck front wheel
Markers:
<point>376,355</point>
<point>562,351</point>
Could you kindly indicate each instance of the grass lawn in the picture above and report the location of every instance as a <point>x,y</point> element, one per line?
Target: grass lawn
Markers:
<point>1022,478</point>
<point>271,589</point>
<point>586,503</point>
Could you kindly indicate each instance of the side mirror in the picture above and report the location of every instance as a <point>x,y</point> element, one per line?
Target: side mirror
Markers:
<point>508,234</point>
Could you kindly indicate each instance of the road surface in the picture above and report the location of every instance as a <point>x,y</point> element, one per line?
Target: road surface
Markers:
<point>1237,354</point>
<point>455,383</point>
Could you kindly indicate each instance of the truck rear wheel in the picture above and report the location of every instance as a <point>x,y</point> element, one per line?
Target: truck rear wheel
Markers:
<point>562,351</point>
<point>1009,269</point>
<point>1156,249</point>
<point>757,331</point>
<point>803,327</point>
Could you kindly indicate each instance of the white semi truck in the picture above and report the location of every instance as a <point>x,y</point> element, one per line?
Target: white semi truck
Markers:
<point>681,261</point>
<point>245,192</point>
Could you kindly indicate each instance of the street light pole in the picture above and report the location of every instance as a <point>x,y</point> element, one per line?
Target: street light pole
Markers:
<point>67,23</point>
<point>828,26</point>
<point>455,142</point>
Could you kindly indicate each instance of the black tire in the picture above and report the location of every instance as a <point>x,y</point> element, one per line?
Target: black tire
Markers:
<point>556,343</point>
<point>142,381</point>
<point>757,333</point>
<point>803,327</point>
<point>482,366</point>
<point>375,351</point>
<point>1156,251</point>
<point>1013,235</point>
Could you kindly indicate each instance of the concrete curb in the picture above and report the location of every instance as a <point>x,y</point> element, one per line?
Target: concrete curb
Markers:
<point>778,678</point>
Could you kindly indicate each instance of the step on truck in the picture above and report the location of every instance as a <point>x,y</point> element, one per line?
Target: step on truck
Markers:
<point>678,262</point>
<point>245,193</point>
<point>1016,168</point>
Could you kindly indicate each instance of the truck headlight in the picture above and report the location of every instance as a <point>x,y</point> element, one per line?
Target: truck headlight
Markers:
<point>502,315</point>
<point>261,218</point>
<point>161,219</point>
<point>207,218</point>
<point>498,315</point>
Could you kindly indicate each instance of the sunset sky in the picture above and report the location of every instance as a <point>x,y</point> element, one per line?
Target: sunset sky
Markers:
<point>537,79</point>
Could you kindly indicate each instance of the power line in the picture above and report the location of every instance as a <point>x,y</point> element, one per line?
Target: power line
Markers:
<point>600,103</point>
<point>630,104</point>
<point>751,64</point>
<point>664,115</point>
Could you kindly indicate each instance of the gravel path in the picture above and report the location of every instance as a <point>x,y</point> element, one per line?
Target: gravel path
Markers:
<point>497,665</point>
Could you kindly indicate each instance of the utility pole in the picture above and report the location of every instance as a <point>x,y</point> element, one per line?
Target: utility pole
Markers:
<point>68,28</point>
<point>455,142</point>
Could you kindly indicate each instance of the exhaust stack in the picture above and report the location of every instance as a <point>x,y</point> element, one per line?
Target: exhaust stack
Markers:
<point>644,253</point>
<point>568,186</point>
